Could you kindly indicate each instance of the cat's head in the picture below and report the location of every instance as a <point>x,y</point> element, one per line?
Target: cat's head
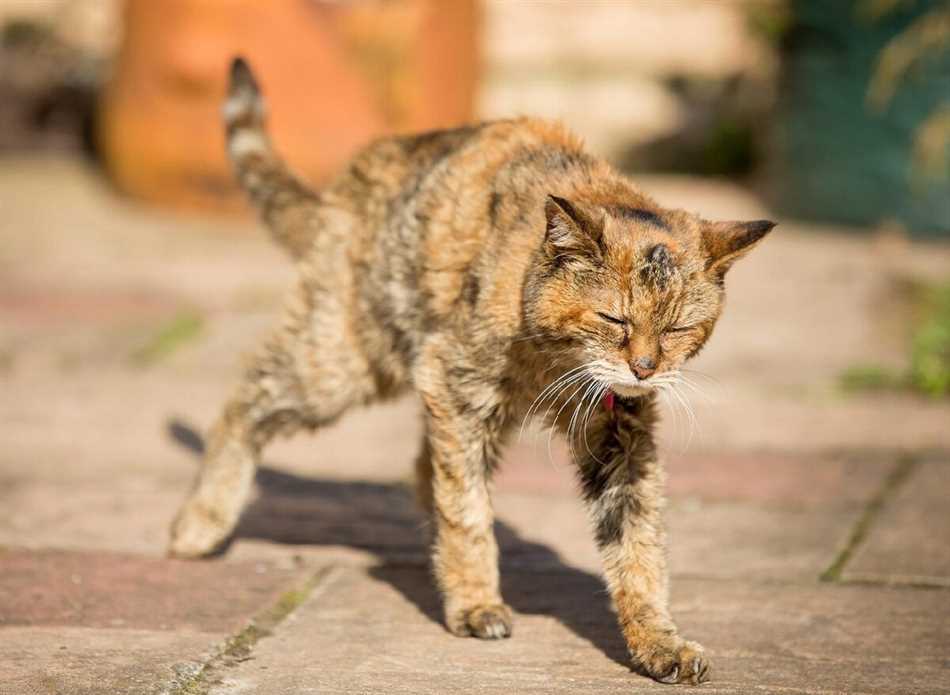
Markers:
<point>632,292</point>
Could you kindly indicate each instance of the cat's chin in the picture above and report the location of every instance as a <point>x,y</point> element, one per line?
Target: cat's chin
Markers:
<point>630,390</point>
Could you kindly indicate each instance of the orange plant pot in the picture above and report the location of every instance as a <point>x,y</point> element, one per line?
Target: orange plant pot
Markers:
<point>335,75</point>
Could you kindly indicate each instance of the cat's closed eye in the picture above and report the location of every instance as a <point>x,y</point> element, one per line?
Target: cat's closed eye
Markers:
<point>611,319</point>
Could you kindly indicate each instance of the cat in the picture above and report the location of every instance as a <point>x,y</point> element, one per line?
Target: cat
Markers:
<point>498,270</point>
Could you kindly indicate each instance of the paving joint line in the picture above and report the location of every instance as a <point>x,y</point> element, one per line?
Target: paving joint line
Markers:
<point>906,464</point>
<point>898,581</point>
<point>239,646</point>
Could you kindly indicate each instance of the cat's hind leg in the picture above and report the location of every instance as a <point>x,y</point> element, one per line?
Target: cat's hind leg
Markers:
<point>298,380</point>
<point>266,402</point>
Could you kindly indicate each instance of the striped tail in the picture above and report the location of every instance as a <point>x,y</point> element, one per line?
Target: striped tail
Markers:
<point>287,206</point>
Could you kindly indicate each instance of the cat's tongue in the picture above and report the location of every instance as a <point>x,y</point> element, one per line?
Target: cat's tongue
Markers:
<point>609,401</point>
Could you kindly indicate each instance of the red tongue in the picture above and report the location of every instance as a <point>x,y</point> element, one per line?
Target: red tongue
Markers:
<point>609,401</point>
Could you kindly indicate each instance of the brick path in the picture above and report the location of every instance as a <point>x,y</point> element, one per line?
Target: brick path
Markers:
<point>810,531</point>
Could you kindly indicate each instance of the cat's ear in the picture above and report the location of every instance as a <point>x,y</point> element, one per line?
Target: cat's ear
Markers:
<point>727,242</point>
<point>570,230</point>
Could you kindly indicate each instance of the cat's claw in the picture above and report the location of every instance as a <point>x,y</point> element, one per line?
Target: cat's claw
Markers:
<point>679,662</point>
<point>484,622</point>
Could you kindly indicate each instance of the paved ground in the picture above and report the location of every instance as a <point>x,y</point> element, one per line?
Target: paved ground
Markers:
<point>810,528</point>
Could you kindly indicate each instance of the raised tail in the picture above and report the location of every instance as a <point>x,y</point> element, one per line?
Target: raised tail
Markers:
<point>287,206</point>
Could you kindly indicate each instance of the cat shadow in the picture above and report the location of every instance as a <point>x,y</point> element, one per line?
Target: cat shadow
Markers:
<point>383,519</point>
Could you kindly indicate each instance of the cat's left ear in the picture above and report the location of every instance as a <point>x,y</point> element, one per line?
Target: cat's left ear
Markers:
<point>571,230</point>
<point>727,242</point>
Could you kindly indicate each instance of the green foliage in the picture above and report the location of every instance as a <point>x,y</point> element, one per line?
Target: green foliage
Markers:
<point>863,124</point>
<point>769,20</point>
<point>930,350</point>
<point>870,377</point>
<point>928,371</point>
<point>730,149</point>
<point>183,328</point>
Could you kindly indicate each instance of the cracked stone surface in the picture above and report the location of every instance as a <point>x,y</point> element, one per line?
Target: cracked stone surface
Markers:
<point>910,540</point>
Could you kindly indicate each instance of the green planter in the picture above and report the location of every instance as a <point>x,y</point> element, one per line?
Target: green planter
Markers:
<point>839,158</point>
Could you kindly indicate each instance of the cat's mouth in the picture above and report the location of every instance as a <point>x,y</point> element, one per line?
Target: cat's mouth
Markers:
<point>631,390</point>
<point>619,380</point>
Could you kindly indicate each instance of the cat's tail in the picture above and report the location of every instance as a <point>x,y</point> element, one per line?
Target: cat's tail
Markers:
<point>287,206</point>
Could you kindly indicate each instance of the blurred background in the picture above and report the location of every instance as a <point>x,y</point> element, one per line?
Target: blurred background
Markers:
<point>837,113</point>
<point>133,277</point>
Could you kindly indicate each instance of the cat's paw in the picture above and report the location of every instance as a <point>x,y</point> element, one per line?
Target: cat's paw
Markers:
<point>485,622</point>
<point>672,660</point>
<point>195,534</point>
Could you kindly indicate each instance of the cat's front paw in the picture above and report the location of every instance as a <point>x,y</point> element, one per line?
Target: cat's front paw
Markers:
<point>485,622</point>
<point>194,534</point>
<point>672,660</point>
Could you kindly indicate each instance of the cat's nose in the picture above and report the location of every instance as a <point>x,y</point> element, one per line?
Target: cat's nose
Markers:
<point>643,367</point>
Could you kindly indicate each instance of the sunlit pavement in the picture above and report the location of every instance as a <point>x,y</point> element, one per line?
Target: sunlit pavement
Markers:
<point>810,534</point>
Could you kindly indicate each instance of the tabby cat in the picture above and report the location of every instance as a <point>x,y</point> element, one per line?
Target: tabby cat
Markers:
<point>499,271</point>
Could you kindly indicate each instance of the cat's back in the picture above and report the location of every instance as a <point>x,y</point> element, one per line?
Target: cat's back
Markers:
<point>438,214</point>
<point>396,171</point>
<point>432,199</point>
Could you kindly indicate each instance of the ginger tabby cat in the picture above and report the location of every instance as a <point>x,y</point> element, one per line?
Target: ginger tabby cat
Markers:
<point>498,270</point>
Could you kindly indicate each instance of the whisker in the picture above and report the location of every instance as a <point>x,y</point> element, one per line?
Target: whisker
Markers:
<point>576,382</point>
<point>696,373</point>
<point>546,393</point>
<point>676,407</point>
<point>711,398</point>
<point>558,414</point>
<point>590,412</point>
<point>691,421</point>
<point>552,398</point>
<point>673,406</point>
<point>571,428</point>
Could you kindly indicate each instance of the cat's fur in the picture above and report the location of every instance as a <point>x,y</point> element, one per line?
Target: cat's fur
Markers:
<point>480,266</point>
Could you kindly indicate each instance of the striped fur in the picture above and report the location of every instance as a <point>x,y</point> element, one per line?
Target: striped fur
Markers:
<point>286,205</point>
<point>499,271</point>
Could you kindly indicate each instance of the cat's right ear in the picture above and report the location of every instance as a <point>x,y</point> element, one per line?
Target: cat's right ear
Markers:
<point>727,242</point>
<point>569,231</point>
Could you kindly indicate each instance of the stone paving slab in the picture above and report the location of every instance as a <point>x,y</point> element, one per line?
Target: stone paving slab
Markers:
<point>379,631</point>
<point>767,477</point>
<point>762,516</point>
<point>721,540</point>
<point>74,623</point>
<point>758,515</point>
<point>319,517</point>
<point>129,514</point>
<point>94,485</point>
<point>909,541</point>
<point>747,542</point>
<point>842,481</point>
<point>98,661</point>
<point>754,516</point>
<point>112,590</point>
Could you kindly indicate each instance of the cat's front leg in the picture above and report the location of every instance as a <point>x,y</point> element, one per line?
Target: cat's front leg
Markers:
<point>458,457</point>
<point>623,484</point>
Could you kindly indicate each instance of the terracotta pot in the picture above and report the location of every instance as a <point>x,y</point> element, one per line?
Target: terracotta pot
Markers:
<point>335,75</point>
